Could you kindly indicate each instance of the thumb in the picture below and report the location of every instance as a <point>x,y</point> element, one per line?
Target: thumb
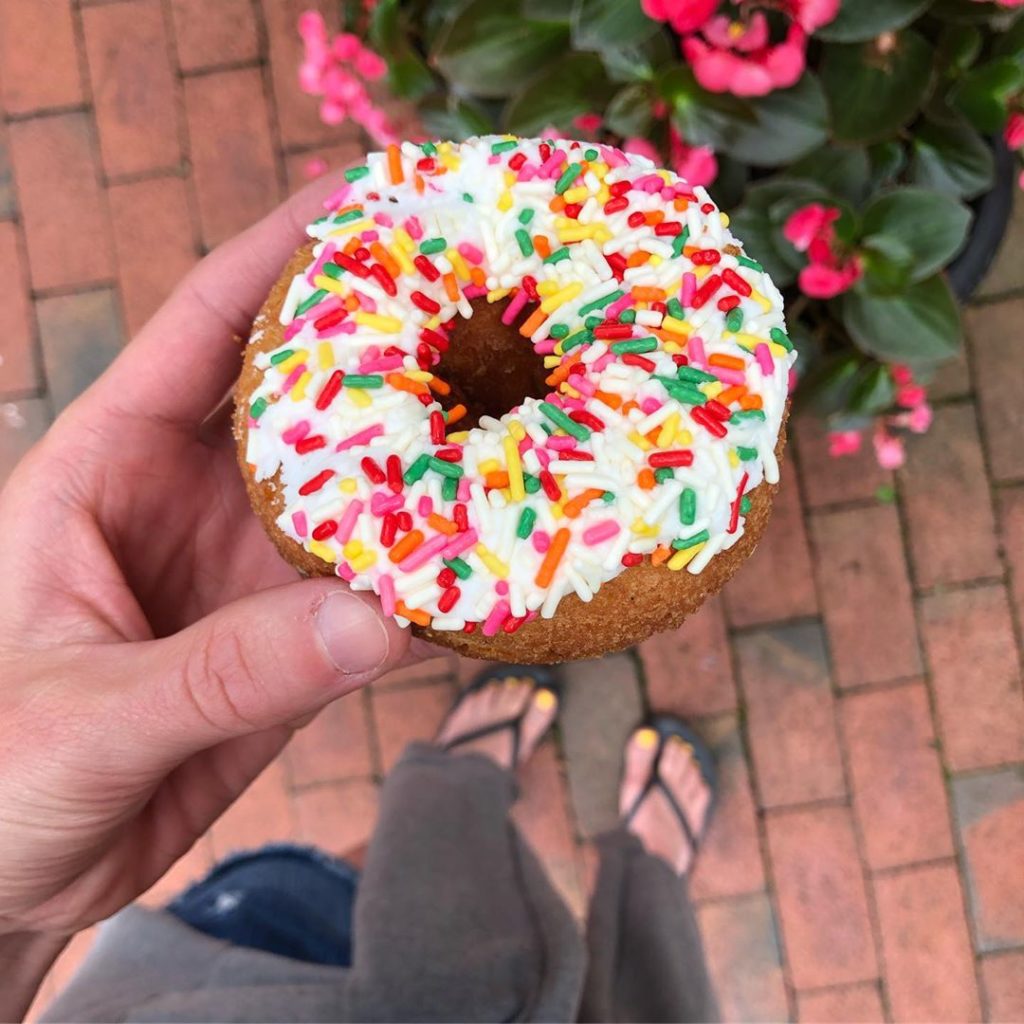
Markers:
<point>263,661</point>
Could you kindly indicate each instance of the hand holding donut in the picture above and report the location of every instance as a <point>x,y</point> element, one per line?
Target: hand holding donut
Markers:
<point>154,648</point>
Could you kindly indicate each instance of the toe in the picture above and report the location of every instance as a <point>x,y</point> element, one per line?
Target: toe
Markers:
<point>639,758</point>
<point>537,719</point>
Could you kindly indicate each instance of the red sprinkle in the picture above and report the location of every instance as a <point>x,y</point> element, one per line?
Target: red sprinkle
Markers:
<point>613,331</point>
<point>469,627</point>
<point>395,481</point>
<point>310,443</point>
<point>404,521</point>
<point>616,204</point>
<point>677,457</point>
<point>328,528</point>
<point>588,419</point>
<point>436,428</point>
<point>313,485</point>
<point>636,219</point>
<point>572,210</point>
<point>620,188</point>
<point>425,302</point>
<point>633,359</point>
<point>449,454</point>
<point>669,227</point>
<point>384,279</point>
<point>331,319</point>
<point>717,410</point>
<point>530,287</point>
<point>351,265</point>
<point>631,558</point>
<point>388,529</point>
<point>706,290</point>
<point>330,390</point>
<point>517,161</point>
<point>547,481</point>
<point>446,578</point>
<point>706,420</point>
<point>461,517</point>
<point>511,624</point>
<point>373,472</point>
<point>729,302</point>
<point>734,516</point>
<point>426,268</point>
<point>447,600</point>
<point>575,456</point>
<point>435,338</point>
<point>734,281</point>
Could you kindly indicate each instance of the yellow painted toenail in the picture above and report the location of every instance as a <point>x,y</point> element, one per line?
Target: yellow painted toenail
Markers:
<point>544,700</point>
<point>646,738</point>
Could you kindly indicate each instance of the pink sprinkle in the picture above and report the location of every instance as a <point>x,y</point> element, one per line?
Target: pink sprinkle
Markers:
<point>345,571</point>
<point>613,157</point>
<point>299,523</point>
<point>471,252</point>
<point>528,172</point>
<point>695,349</point>
<point>600,364</point>
<point>545,347</point>
<point>289,381</point>
<point>463,542</point>
<point>463,492</point>
<point>414,227</point>
<point>649,405</point>
<point>599,532</point>
<point>384,219</point>
<point>730,376</point>
<point>329,249</point>
<point>501,587</point>
<point>544,458</point>
<point>494,158</point>
<point>558,443</point>
<point>424,553</point>
<point>345,327</point>
<point>497,616</point>
<point>293,328</point>
<point>764,359</point>
<point>296,433</point>
<point>525,444</point>
<point>688,288</point>
<point>363,437</point>
<point>541,541</point>
<point>381,365</point>
<point>425,506</point>
<point>370,236</point>
<point>551,166</point>
<point>573,403</point>
<point>583,384</point>
<point>668,193</point>
<point>514,307</point>
<point>369,305</point>
<point>612,311</point>
<point>386,590</point>
<point>385,501</point>
<point>347,523</point>
<point>474,291</point>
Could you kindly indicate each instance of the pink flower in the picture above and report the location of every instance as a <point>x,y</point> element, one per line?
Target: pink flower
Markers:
<point>588,123</point>
<point>1014,130</point>
<point>828,273</point>
<point>820,281</point>
<point>641,147</point>
<point>747,72</point>
<point>683,15</point>
<point>696,164</point>
<point>843,442</point>
<point>807,223</point>
<point>919,419</point>
<point>812,14</point>
<point>901,374</point>
<point>727,34</point>
<point>888,449</point>
<point>911,395</point>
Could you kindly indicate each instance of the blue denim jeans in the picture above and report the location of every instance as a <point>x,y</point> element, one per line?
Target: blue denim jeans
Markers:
<point>294,901</point>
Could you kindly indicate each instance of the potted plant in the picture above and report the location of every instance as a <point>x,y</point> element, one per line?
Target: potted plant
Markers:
<point>859,145</point>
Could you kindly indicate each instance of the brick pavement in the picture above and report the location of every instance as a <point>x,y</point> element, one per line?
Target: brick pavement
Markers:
<point>860,679</point>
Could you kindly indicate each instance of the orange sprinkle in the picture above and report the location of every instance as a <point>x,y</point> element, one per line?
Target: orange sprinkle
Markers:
<point>645,479</point>
<point>352,244</point>
<point>751,402</point>
<point>406,546</point>
<point>347,208</point>
<point>645,294</point>
<point>451,287</point>
<point>576,505</point>
<point>733,394</point>
<point>533,321</point>
<point>730,362</point>
<point>653,434</point>
<point>421,618</point>
<point>455,413</point>
<point>400,383</point>
<point>629,407</point>
<point>638,258</point>
<point>442,387</point>
<point>680,203</point>
<point>478,277</point>
<point>655,216</point>
<point>385,259</point>
<point>557,204</point>
<point>496,479</point>
<point>395,165</point>
<point>542,245</point>
<point>552,557</point>
<point>611,400</point>
<point>351,302</point>
<point>660,554</point>
<point>418,182</point>
<point>666,335</point>
<point>441,524</point>
<point>556,376</point>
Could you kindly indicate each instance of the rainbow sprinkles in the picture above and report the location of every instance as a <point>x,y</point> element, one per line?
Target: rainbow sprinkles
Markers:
<point>669,368</point>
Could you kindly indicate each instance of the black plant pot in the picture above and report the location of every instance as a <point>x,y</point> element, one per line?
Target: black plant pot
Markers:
<point>991,219</point>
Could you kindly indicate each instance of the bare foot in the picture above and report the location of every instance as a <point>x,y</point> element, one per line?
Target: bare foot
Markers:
<point>655,822</point>
<point>500,701</point>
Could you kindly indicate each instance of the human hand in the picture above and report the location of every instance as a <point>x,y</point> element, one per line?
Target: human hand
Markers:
<point>155,650</point>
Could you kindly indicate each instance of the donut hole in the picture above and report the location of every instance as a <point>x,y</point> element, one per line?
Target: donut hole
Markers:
<point>490,366</point>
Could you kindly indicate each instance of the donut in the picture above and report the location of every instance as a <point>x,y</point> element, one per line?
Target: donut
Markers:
<point>531,393</point>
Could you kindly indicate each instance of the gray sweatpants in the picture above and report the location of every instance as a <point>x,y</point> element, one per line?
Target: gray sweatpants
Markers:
<point>455,920</point>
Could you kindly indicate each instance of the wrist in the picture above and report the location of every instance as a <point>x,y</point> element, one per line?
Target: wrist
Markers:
<point>26,957</point>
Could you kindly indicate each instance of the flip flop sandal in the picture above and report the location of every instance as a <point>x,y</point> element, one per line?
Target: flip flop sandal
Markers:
<point>667,726</point>
<point>542,680</point>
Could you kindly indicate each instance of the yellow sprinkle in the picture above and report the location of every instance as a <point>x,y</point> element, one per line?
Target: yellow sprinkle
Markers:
<point>359,397</point>
<point>300,355</point>
<point>551,361</point>
<point>514,467</point>
<point>325,355</point>
<point>725,219</point>
<point>352,549</point>
<point>489,466</point>
<point>579,194</point>
<point>713,388</point>
<point>330,285</point>
<point>298,391</point>
<point>702,271</point>
<point>552,302</point>
<point>384,324</point>
<point>347,229</point>
<point>684,437</point>
<point>748,341</point>
<point>682,558</point>
<point>776,350</point>
<point>404,239</point>
<point>655,260</point>
<point>458,264</point>
<point>492,561</point>
<point>496,294</point>
<point>640,441</point>
<point>603,195</point>
<point>321,550</point>
<point>510,178</point>
<point>505,201</point>
<point>668,430</point>
<point>734,459</point>
<point>516,429</point>
<point>347,485</point>
<point>364,561</point>
<point>547,287</point>
<point>433,323</point>
<point>672,347</point>
<point>670,323</point>
<point>760,299</point>
<point>459,436</point>
<point>643,529</point>
<point>567,389</point>
<point>578,232</point>
<point>401,257</point>
<point>600,169</point>
<point>421,375</point>
<point>557,510</point>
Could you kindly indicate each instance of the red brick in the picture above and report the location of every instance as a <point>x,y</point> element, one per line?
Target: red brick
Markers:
<point>335,745</point>
<point>187,870</point>
<point>993,330</point>
<point>262,814</point>
<point>18,371</point>
<point>953,378</point>
<point>777,582</point>
<point>1002,978</point>
<point>21,425</point>
<point>337,157</point>
<point>898,790</point>
<point>823,905</point>
<point>990,818</point>
<point>429,670</point>
<point>59,189</point>
<point>743,958</point>
<point>834,481</point>
<point>929,966</point>
<point>133,87</point>
<point>866,595</point>
<point>154,243</point>
<point>545,819</point>
<point>8,199</point>
<point>80,336</point>
<point>337,817</point>
<point>975,676</point>
<point>211,34</point>
<point>790,715</point>
<point>688,670</point>
<point>729,863</point>
<point>947,503</point>
<point>1011,521</point>
<point>856,1004</point>
<point>297,113</point>
<point>38,62</point>
<point>232,155</point>
<point>405,715</point>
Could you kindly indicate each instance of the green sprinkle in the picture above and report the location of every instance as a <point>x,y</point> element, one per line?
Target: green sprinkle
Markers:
<point>558,255</point>
<point>637,345</point>
<point>433,245</point>
<point>449,469</point>
<point>417,469</point>
<point>601,303</point>
<point>318,296</point>
<point>332,270</point>
<point>627,316</point>
<point>526,215</point>
<point>675,308</point>
<point>734,319</point>
<point>459,567</point>
<point>559,418</point>
<point>559,330</point>
<point>258,408</point>
<point>747,414</point>
<point>569,175</point>
<point>688,506</point>
<point>468,197</point>
<point>682,543</point>
<point>579,338</point>
<point>531,483</point>
<point>664,473</point>
<point>679,242</point>
<point>350,216</point>
<point>593,321</point>
<point>363,380</point>
<point>608,497</point>
<point>526,520</point>
<point>280,357</point>
<point>355,173</point>
<point>429,148</point>
<point>450,489</point>
<point>590,154</point>
<point>746,454</point>
<point>745,504</point>
<point>694,376</point>
<point>746,261</point>
<point>504,147</point>
<point>684,393</point>
<point>525,245</point>
<point>779,337</point>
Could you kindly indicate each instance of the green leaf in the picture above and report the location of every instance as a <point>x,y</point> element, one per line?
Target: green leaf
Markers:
<point>629,112</point>
<point>872,391</point>
<point>610,24</point>
<point>872,94</point>
<point>638,63</point>
<point>983,94</point>
<point>842,170</point>
<point>951,158</point>
<point>548,10</point>
<point>704,118</point>
<point>826,386</point>
<point>560,92</point>
<point>452,118</point>
<point>864,19</point>
<point>787,125</point>
<point>887,263</point>
<point>887,160</point>
<point>931,225</point>
<point>1011,42</point>
<point>730,182</point>
<point>408,75</point>
<point>958,47</point>
<point>490,52</point>
<point>920,326</point>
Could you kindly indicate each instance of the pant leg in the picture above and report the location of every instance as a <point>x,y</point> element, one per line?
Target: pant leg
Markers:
<point>646,961</point>
<point>454,917</point>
